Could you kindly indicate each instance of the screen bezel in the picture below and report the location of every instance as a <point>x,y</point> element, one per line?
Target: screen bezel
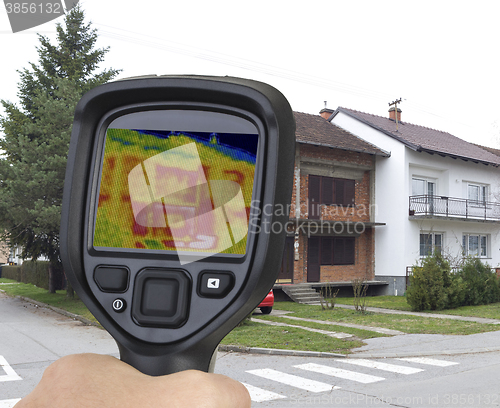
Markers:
<point>172,255</point>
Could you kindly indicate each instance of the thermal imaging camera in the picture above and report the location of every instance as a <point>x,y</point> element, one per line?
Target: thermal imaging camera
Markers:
<point>166,232</point>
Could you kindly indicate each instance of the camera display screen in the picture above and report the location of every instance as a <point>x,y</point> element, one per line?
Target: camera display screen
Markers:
<point>188,191</point>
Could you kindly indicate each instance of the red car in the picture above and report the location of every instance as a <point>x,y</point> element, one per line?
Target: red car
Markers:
<point>266,306</point>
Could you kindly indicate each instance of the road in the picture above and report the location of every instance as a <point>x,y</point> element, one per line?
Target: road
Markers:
<point>32,337</point>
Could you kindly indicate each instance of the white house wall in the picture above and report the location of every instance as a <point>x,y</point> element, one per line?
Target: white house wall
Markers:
<point>453,176</point>
<point>397,243</point>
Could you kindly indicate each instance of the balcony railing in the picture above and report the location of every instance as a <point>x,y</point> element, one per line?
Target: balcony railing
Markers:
<point>439,206</point>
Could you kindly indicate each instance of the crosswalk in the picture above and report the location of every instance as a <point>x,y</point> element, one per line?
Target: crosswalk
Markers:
<point>7,374</point>
<point>337,368</point>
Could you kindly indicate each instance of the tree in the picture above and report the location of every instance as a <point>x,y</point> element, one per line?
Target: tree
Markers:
<point>37,133</point>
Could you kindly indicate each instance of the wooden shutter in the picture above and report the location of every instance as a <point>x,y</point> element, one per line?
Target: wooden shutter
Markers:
<point>344,251</point>
<point>338,251</point>
<point>314,196</point>
<point>349,251</point>
<point>349,192</point>
<point>327,190</point>
<point>344,192</point>
<point>339,191</point>
<point>326,251</point>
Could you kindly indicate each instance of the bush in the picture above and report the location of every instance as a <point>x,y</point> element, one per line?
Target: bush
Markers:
<point>36,273</point>
<point>429,284</point>
<point>11,272</point>
<point>481,283</point>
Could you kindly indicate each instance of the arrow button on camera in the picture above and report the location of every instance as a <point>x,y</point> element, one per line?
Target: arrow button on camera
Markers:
<point>215,284</point>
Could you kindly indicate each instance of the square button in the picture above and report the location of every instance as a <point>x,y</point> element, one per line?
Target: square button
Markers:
<point>161,298</point>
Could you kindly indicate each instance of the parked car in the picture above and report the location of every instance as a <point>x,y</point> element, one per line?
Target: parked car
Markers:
<point>266,306</point>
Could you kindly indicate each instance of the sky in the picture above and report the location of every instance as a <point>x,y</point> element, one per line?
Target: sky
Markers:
<point>442,57</point>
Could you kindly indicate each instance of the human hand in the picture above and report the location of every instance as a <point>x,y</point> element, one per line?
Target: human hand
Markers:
<point>91,380</point>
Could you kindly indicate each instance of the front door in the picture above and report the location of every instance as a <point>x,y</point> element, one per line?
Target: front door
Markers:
<point>286,271</point>
<point>313,261</point>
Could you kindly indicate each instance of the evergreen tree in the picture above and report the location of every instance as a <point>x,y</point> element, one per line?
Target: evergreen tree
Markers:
<point>37,133</point>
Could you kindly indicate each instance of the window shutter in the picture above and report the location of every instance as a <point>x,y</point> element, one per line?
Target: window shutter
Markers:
<point>338,251</point>
<point>349,251</point>
<point>327,190</point>
<point>326,251</point>
<point>349,192</point>
<point>339,191</point>
<point>314,196</point>
<point>343,251</point>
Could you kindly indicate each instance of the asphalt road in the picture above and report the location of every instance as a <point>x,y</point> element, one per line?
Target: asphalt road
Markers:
<point>457,371</point>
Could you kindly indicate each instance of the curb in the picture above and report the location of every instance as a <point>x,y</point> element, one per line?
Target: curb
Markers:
<point>458,352</point>
<point>63,312</point>
<point>279,352</point>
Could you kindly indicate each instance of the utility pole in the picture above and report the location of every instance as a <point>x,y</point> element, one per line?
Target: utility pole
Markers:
<point>395,103</point>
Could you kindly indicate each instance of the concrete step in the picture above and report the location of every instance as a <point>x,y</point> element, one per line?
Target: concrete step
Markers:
<point>302,294</point>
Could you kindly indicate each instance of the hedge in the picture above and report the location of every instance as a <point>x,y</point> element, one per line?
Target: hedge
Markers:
<point>36,273</point>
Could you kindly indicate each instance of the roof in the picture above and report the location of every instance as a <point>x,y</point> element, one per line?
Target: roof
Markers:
<point>423,139</point>
<point>315,130</point>
<point>490,149</point>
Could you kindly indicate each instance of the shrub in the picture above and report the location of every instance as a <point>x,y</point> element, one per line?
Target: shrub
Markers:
<point>481,283</point>
<point>429,284</point>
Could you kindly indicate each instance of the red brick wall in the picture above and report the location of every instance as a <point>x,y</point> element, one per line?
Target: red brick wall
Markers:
<point>364,246</point>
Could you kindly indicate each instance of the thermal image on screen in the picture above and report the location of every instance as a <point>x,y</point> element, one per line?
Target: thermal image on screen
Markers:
<point>188,192</point>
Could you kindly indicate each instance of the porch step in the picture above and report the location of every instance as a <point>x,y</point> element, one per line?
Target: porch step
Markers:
<point>302,294</point>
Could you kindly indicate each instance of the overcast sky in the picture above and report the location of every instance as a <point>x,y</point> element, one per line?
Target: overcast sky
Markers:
<point>441,56</point>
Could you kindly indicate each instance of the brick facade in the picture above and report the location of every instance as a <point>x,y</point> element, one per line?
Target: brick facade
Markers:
<point>344,221</point>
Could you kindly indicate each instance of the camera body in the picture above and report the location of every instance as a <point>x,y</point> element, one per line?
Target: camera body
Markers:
<point>163,232</point>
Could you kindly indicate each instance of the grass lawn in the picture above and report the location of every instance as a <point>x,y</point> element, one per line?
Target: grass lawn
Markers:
<point>250,334</point>
<point>404,323</point>
<point>387,302</point>
<point>491,311</point>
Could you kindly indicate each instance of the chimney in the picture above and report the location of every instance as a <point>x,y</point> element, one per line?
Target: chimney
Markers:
<point>392,113</point>
<point>326,113</point>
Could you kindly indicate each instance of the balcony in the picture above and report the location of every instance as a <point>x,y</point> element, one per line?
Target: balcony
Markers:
<point>434,206</point>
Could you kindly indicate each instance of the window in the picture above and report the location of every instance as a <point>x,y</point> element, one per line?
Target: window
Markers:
<point>329,191</point>
<point>475,245</point>
<point>476,193</point>
<point>430,243</point>
<point>337,250</point>
<point>421,186</point>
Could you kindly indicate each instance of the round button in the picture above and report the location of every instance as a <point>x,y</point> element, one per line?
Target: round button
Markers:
<point>119,305</point>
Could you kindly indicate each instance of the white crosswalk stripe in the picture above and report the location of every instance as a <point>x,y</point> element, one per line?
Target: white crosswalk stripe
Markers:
<point>293,380</point>
<point>298,381</point>
<point>9,403</point>
<point>340,373</point>
<point>429,361</point>
<point>10,374</point>
<point>259,395</point>
<point>399,369</point>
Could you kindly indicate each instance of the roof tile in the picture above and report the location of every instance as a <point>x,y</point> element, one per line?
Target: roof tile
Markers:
<point>314,129</point>
<point>421,138</point>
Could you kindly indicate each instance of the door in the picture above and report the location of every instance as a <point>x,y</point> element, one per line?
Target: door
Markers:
<point>286,271</point>
<point>313,260</point>
<point>425,190</point>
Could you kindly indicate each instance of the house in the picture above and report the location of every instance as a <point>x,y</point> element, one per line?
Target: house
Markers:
<point>331,228</point>
<point>4,253</point>
<point>434,192</point>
